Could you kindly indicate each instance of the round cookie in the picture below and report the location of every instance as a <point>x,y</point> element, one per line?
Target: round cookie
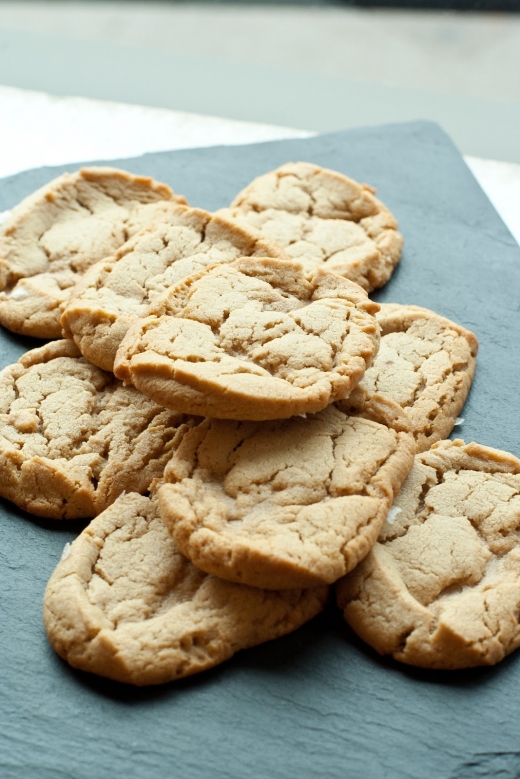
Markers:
<point>55,234</point>
<point>441,587</point>
<point>124,603</point>
<point>72,437</point>
<point>323,219</point>
<point>253,339</point>
<point>426,364</point>
<point>291,503</point>
<point>118,289</point>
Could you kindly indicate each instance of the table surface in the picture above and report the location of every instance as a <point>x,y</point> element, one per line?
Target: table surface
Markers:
<point>72,129</point>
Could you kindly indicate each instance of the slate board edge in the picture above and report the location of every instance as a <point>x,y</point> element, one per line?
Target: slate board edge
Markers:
<point>380,748</point>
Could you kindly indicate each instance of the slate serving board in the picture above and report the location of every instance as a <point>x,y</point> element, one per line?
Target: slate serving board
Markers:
<point>317,703</point>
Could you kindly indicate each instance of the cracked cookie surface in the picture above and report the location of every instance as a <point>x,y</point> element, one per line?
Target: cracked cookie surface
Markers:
<point>290,503</point>
<point>253,339</point>
<point>124,603</point>
<point>118,289</point>
<point>426,364</point>
<point>55,234</point>
<point>72,437</point>
<point>441,587</point>
<point>323,219</point>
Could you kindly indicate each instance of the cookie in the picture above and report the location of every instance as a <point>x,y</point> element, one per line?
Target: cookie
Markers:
<point>324,220</point>
<point>441,587</point>
<point>117,290</point>
<point>292,503</point>
<point>72,437</point>
<point>426,364</point>
<point>53,236</point>
<point>254,339</point>
<point>124,603</point>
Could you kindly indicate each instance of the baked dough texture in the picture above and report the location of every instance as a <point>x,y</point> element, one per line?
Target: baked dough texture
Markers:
<point>124,603</point>
<point>118,289</point>
<point>426,364</point>
<point>441,587</point>
<point>72,437</point>
<point>55,234</point>
<point>291,503</point>
<point>253,339</point>
<point>323,219</point>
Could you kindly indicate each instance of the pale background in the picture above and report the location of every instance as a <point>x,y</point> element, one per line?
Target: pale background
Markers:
<point>85,80</point>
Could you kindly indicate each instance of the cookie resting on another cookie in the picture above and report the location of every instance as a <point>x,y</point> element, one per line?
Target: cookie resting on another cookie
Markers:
<point>426,364</point>
<point>118,289</point>
<point>55,234</point>
<point>72,438</point>
<point>291,503</point>
<point>124,603</point>
<point>254,339</point>
<point>441,587</point>
<point>323,219</point>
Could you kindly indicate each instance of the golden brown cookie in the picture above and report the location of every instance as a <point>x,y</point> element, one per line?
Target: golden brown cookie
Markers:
<point>253,339</point>
<point>426,364</point>
<point>118,289</point>
<point>72,437</point>
<point>124,603</point>
<point>291,503</point>
<point>323,219</point>
<point>441,588</point>
<point>55,234</point>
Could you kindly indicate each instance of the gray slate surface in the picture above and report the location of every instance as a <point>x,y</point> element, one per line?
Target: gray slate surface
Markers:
<point>318,702</point>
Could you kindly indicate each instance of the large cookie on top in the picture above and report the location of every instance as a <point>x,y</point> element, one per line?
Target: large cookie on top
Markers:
<point>72,437</point>
<point>426,364</point>
<point>290,503</point>
<point>441,587</point>
<point>323,219</point>
<point>253,339</point>
<point>124,603</point>
<point>118,289</point>
<point>53,236</point>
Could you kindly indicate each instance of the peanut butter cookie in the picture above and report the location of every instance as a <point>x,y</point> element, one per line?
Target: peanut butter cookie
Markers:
<point>54,235</point>
<point>124,603</point>
<point>118,289</point>
<point>323,219</point>
<point>291,503</point>
<point>253,339</point>
<point>441,587</point>
<point>426,364</point>
<point>72,438</point>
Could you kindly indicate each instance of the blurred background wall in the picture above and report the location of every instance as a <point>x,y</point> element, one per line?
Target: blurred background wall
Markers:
<point>315,66</point>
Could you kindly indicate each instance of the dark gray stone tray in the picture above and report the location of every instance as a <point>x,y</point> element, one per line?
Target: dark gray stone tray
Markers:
<point>317,703</point>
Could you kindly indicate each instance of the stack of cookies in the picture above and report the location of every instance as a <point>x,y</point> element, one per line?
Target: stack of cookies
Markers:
<point>247,428</point>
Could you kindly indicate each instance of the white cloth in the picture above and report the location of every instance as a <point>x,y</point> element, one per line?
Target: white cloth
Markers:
<point>37,129</point>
